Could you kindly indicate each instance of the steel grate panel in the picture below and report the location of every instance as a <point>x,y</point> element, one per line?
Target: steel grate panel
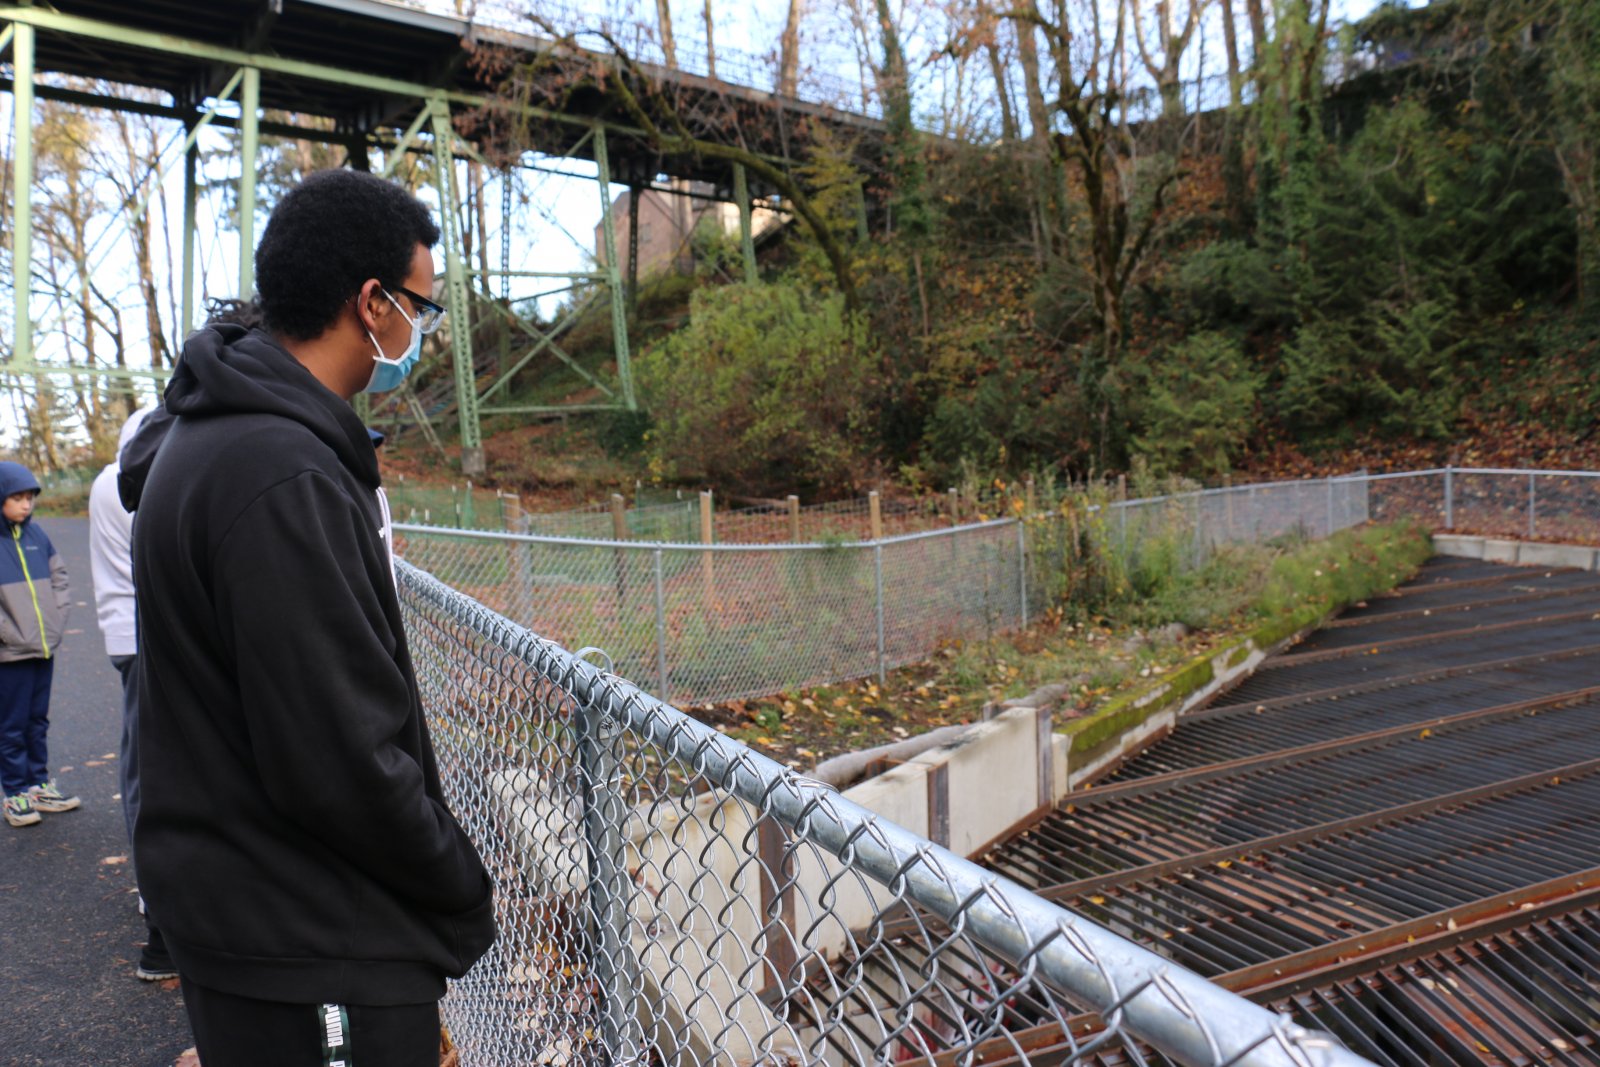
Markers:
<point>1087,837</point>
<point>1481,614</point>
<point>1247,733</point>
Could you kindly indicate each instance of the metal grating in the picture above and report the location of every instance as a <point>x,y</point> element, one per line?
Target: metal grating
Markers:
<point>1387,835</point>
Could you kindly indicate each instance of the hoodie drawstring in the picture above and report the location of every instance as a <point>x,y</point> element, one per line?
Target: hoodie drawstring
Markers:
<point>44,638</point>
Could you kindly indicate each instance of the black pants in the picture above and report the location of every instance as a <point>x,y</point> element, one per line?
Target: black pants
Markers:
<point>232,1031</point>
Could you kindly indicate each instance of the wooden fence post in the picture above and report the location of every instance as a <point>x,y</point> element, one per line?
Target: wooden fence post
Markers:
<point>707,538</point>
<point>875,513</point>
<point>619,517</point>
<point>794,518</point>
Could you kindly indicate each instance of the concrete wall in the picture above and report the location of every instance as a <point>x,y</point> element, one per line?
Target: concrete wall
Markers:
<point>1530,553</point>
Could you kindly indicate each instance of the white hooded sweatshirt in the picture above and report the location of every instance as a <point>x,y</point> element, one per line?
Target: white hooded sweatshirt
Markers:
<point>111,551</point>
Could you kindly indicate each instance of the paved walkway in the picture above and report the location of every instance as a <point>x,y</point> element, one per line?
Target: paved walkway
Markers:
<point>69,923</point>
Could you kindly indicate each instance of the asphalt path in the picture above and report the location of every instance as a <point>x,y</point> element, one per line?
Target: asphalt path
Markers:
<point>70,929</point>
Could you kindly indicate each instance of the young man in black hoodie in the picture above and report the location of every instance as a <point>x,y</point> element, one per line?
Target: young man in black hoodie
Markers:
<point>293,843</point>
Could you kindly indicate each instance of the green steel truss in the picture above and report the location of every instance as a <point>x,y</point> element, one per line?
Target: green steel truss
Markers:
<point>21,23</point>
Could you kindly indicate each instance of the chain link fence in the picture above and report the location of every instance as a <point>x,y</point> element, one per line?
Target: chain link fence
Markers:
<point>668,896</point>
<point>701,623</point>
<point>1519,504</point>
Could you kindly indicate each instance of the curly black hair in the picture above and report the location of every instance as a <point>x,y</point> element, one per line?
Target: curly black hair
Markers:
<point>325,238</point>
<point>246,313</point>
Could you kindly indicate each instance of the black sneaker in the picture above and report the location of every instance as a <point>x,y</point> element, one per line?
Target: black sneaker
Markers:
<point>155,966</point>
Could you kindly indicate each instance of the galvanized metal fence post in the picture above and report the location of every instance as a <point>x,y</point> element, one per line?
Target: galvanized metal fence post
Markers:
<point>1449,497</point>
<point>1533,505</point>
<point>615,970</point>
<point>661,631</point>
<point>877,582</point>
<point>1022,570</point>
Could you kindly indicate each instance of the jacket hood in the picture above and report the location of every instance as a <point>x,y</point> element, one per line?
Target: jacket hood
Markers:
<point>131,427</point>
<point>15,478</point>
<point>228,370</point>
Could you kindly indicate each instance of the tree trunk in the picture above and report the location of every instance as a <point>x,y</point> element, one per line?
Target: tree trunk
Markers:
<point>1235,178</point>
<point>1258,45</point>
<point>664,26</point>
<point>1002,88</point>
<point>711,48</point>
<point>1042,168</point>
<point>1230,44</point>
<point>1028,56</point>
<point>481,214</point>
<point>789,50</point>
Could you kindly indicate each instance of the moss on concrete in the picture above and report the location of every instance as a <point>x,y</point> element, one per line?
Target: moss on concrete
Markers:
<point>1360,564</point>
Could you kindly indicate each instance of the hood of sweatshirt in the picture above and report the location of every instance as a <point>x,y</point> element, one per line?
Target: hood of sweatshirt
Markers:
<point>228,370</point>
<point>15,478</point>
<point>131,427</point>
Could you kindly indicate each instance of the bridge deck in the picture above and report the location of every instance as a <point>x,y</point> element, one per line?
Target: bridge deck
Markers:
<point>377,39</point>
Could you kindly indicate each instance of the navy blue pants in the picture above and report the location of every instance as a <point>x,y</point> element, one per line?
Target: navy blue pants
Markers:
<point>24,721</point>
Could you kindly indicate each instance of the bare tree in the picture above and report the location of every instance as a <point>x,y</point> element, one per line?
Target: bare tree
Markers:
<point>1230,45</point>
<point>1124,191</point>
<point>667,121</point>
<point>664,25</point>
<point>1009,128</point>
<point>1165,65</point>
<point>789,51</point>
<point>141,152</point>
<point>711,46</point>
<point>1258,44</point>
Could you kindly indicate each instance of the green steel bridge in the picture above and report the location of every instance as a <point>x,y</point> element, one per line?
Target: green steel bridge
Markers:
<point>371,75</point>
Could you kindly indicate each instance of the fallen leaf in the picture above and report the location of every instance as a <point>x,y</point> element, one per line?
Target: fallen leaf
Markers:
<point>113,861</point>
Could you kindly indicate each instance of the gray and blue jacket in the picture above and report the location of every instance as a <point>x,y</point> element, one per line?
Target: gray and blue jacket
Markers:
<point>33,581</point>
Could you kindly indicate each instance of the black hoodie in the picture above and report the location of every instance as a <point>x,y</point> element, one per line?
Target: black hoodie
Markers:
<point>292,843</point>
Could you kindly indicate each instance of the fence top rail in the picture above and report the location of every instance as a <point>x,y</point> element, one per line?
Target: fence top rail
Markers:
<point>1392,475</point>
<point>1185,1016</point>
<point>1535,471</point>
<point>694,546</point>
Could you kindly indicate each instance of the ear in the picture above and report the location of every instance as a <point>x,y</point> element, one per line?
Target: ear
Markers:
<point>372,307</point>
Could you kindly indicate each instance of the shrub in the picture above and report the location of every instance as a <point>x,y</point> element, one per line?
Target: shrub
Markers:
<point>767,387</point>
<point>1198,405</point>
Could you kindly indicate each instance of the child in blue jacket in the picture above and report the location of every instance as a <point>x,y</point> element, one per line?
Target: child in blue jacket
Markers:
<point>33,617</point>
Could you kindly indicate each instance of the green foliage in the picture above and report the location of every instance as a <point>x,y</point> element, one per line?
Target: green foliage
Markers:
<point>1396,245</point>
<point>622,433</point>
<point>767,386</point>
<point>1198,404</point>
<point>1280,597</point>
<point>1231,282</point>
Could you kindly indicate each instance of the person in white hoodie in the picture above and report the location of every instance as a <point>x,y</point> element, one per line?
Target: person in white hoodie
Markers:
<point>111,568</point>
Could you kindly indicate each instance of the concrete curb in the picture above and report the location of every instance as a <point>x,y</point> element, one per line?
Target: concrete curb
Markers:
<point>1531,553</point>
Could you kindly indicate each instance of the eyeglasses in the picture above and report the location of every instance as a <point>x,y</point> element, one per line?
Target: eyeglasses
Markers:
<point>429,314</point>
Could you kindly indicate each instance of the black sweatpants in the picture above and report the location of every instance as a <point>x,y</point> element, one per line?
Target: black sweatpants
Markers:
<point>232,1031</point>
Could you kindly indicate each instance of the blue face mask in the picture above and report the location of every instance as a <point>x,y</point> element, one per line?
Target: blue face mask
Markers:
<point>388,373</point>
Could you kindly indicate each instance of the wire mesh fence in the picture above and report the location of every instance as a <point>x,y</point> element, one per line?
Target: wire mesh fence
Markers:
<point>1532,505</point>
<point>667,895</point>
<point>701,623</point>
